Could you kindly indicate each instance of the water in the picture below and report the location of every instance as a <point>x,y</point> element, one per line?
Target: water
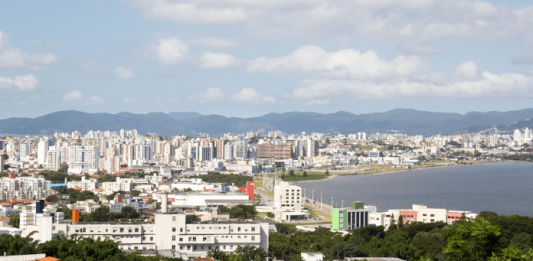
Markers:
<point>505,188</point>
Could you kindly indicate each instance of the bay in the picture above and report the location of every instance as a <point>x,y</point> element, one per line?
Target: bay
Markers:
<point>504,188</point>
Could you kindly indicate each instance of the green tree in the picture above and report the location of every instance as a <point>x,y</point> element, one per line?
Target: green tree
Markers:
<point>291,173</point>
<point>135,193</point>
<point>14,220</point>
<point>192,218</point>
<point>251,253</point>
<point>129,212</point>
<point>305,174</point>
<point>472,240</point>
<point>52,198</point>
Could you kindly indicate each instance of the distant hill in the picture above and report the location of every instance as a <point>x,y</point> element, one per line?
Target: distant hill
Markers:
<point>184,115</point>
<point>188,123</point>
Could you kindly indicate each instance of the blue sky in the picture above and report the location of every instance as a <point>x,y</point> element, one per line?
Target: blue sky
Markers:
<point>247,58</point>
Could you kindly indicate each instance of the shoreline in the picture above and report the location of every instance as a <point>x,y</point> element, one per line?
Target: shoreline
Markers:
<point>380,173</point>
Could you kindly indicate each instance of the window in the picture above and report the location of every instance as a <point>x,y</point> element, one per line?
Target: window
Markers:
<point>107,230</point>
<point>181,239</point>
<point>173,247</point>
<point>173,229</point>
<point>253,229</point>
<point>181,247</point>
<point>99,229</point>
<point>173,238</point>
<point>121,230</point>
<point>181,229</point>
<point>239,229</point>
<point>129,230</point>
<point>173,218</point>
<point>92,230</point>
<point>425,215</point>
<point>253,238</point>
<point>151,238</point>
<point>202,247</point>
<point>136,229</point>
<point>151,229</point>
<point>432,215</point>
<point>83,229</point>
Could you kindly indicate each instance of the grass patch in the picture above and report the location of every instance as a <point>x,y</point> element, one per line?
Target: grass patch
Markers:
<point>299,176</point>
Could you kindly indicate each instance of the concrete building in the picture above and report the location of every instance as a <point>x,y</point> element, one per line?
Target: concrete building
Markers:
<point>312,256</point>
<point>350,218</point>
<point>83,159</point>
<point>169,232</point>
<point>83,184</point>
<point>24,188</point>
<point>287,197</point>
<point>54,159</point>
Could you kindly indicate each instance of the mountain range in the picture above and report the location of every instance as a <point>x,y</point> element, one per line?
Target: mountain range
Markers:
<point>403,120</point>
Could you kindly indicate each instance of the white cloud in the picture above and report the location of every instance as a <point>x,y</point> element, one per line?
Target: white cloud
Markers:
<point>96,100</point>
<point>170,51</point>
<point>211,60</point>
<point>123,73</point>
<point>25,83</point>
<point>508,85</point>
<point>128,100</point>
<point>251,96</point>
<point>17,59</point>
<point>73,96</point>
<point>188,12</point>
<point>421,21</point>
<point>468,69</point>
<point>343,63</point>
<point>212,95</point>
<point>76,97</point>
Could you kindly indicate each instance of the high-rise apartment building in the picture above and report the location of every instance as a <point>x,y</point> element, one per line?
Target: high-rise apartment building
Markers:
<point>83,159</point>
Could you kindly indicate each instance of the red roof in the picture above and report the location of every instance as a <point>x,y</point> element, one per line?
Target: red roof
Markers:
<point>48,258</point>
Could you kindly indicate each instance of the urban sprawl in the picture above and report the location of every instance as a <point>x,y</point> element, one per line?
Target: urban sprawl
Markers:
<point>188,196</point>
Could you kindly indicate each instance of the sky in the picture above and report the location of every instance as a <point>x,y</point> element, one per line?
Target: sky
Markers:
<point>246,58</point>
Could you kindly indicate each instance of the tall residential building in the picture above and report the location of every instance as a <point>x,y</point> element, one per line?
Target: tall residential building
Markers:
<point>228,151</point>
<point>25,150</point>
<point>83,159</point>
<point>54,159</point>
<point>241,149</point>
<point>42,152</point>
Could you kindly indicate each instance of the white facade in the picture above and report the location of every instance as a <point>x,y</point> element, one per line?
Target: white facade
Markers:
<point>54,159</point>
<point>83,159</point>
<point>83,184</point>
<point>169,232</point>
<point>42,152</point>
<point>287,197</point>
<point>116,186</point>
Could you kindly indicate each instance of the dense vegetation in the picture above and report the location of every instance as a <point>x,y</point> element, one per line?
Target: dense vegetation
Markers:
<point>239,211</point>
<point>295,176</point>
<point>74,195</point>
<point>74,248</point>
<point>215,177</point>
<point>103,214</point>
<point>247,253</point>
<point>489,237</point>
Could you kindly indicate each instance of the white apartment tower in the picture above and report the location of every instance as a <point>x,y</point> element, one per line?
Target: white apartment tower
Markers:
<point>42,152</point>
<point>83,159</point>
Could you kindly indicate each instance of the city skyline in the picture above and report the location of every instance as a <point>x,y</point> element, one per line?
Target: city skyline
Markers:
<point>244,59</point>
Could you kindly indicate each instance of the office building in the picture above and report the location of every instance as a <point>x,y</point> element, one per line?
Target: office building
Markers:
<point>350,218</point>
